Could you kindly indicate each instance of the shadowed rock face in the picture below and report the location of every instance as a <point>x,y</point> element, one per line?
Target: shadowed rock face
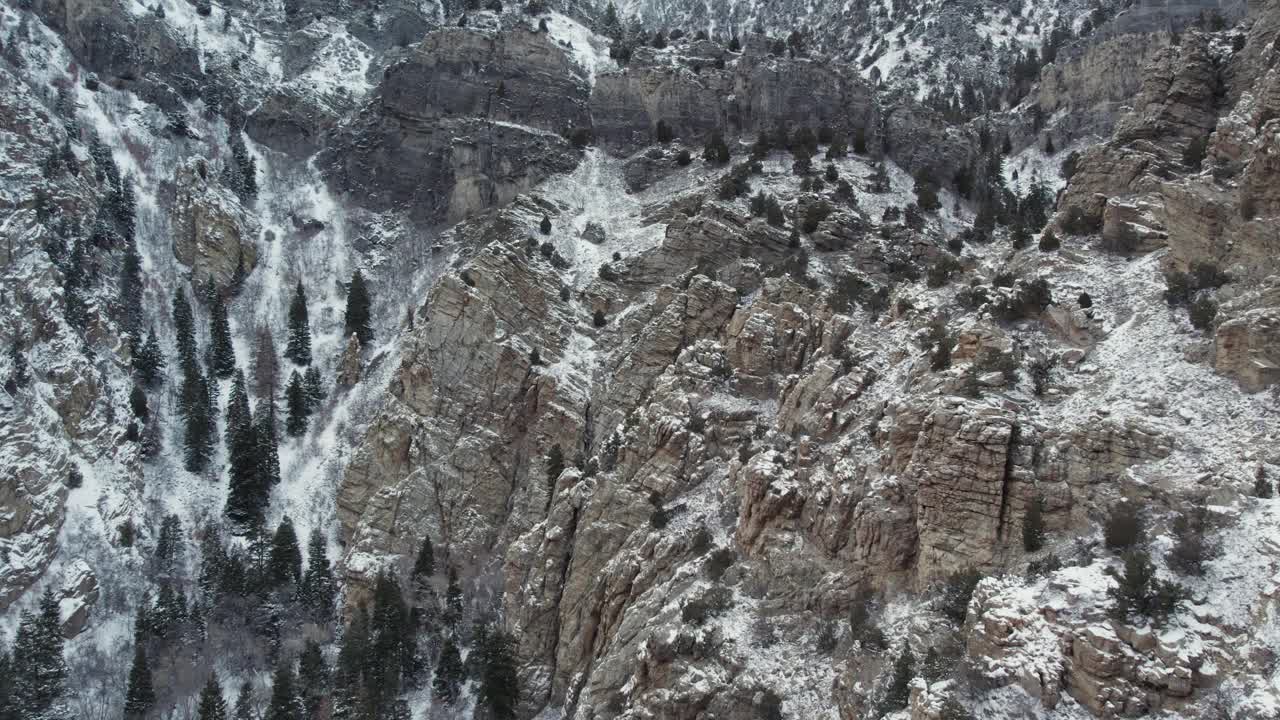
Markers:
<point>439,141</point>
<point>747,94</point>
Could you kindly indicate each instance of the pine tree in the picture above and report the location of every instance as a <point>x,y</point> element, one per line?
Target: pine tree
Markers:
<point>453,599</point>
<point>268,454</point>
<point>544,226</point>
<point>244,703</point>
<point>148,361</point>
<point>40,669</point>
<point>266,365</point>
<point>318,585</point>
<point>212,705</point>
<point>499,682</point>
<point>284,699</point>
<point>285,564</point>
<point>313,389</point>
<point>168,546</point>
<point>73,284</point>
<point>239,418</point>
<point>197,413</point>
<point>425,564</point>
<point>357,318</point>
<point>299,347</point>
<point>296,403</point>
<point>223,353</point>
<point>313,678</point>
<point>352,660</point>
<point>152,443</point>
<point>184,327</point>
<point>247,487</point>
<point>129,298</point>
<point>140,695</point>
<point>449,674</point>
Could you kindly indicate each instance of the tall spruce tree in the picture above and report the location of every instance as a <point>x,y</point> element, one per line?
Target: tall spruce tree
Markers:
<point>247,488</point>
<point>239,418</point>
<point>222,352</point>
<point>129,297</point>
<point>898,691</point>
<point>140,696</point>
<point>425,564</point>
<point>285,563</point>
<point>296,404</point>
<point>148,361</point>
<point>313,389</point>
<point>244,703</point>
<point>197,413</point>
<point>40,669</point>
<point>184,328</point>
<point>499,683</point>
<point>299,346</point>
<point>453,599</point>
<point>358,314</point>
<point>449,674</point>
<point>284,697</point>
<point>313,678</point>
<point>212,705</point>
<point>318,585</point>
<point>268,455</point>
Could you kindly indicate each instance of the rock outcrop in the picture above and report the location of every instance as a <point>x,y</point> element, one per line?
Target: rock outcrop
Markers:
<point>213,235</point>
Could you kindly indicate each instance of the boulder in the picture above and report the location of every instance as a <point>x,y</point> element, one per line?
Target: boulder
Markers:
<point>212,233</point>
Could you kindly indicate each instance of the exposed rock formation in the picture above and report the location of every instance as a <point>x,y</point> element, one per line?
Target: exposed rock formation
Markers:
<point>212,234</point>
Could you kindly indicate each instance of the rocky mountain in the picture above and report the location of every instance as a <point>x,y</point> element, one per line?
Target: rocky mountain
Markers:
<point>658,360</point>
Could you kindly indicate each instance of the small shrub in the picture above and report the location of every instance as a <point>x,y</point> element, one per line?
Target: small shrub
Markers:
<point>599,319</point>
<point>1123,527</point>
<point>815,214</point>
<point>1203,312</point>
<point>1049,241</point>
<point>1139,592</point>
<point>126,533</point>
<point>1262,487</point>
<point>74,478</point>
<point>683,158</point>
<point>956,593</point>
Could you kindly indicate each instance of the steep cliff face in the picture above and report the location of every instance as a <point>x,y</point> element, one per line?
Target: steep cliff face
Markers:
<point>709,440</point>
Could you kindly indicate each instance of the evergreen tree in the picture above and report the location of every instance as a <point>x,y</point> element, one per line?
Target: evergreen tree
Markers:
<point>392,640</point>
<point>197,413</point>
<point>247,487</point>
<point>313,678</point>
<point>425,564</point>
<point>716,151</point>
<point>239,418</point>
<point>352,660</point>
<point>148,361</point>
<point>313,389</point>
<point>453,599</point>
<point>899,689</point>
<point>499,683</point>
<point>244,703</point>
<point>299,347</point>
<point>268,455</point>
<point>318,585</point>
<point>357,318</point>
<point>75,280</point>
<point>1191,550</point>
<point>40,669</point>
<point>168,546</point>
<point>266,366</point>
<point>1033,525</point>
<point>8,708</point>
<point>223,353</point>
<point>129,298</point>
<point>449,674</point>
<point>152,443</point>
<point>184,327</point>
<point>284,699</point>
<point>285,564</point>
<point>140,695</point>
<point>296,404</point>
<point>212,705</point>
<point>1139,592</point>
